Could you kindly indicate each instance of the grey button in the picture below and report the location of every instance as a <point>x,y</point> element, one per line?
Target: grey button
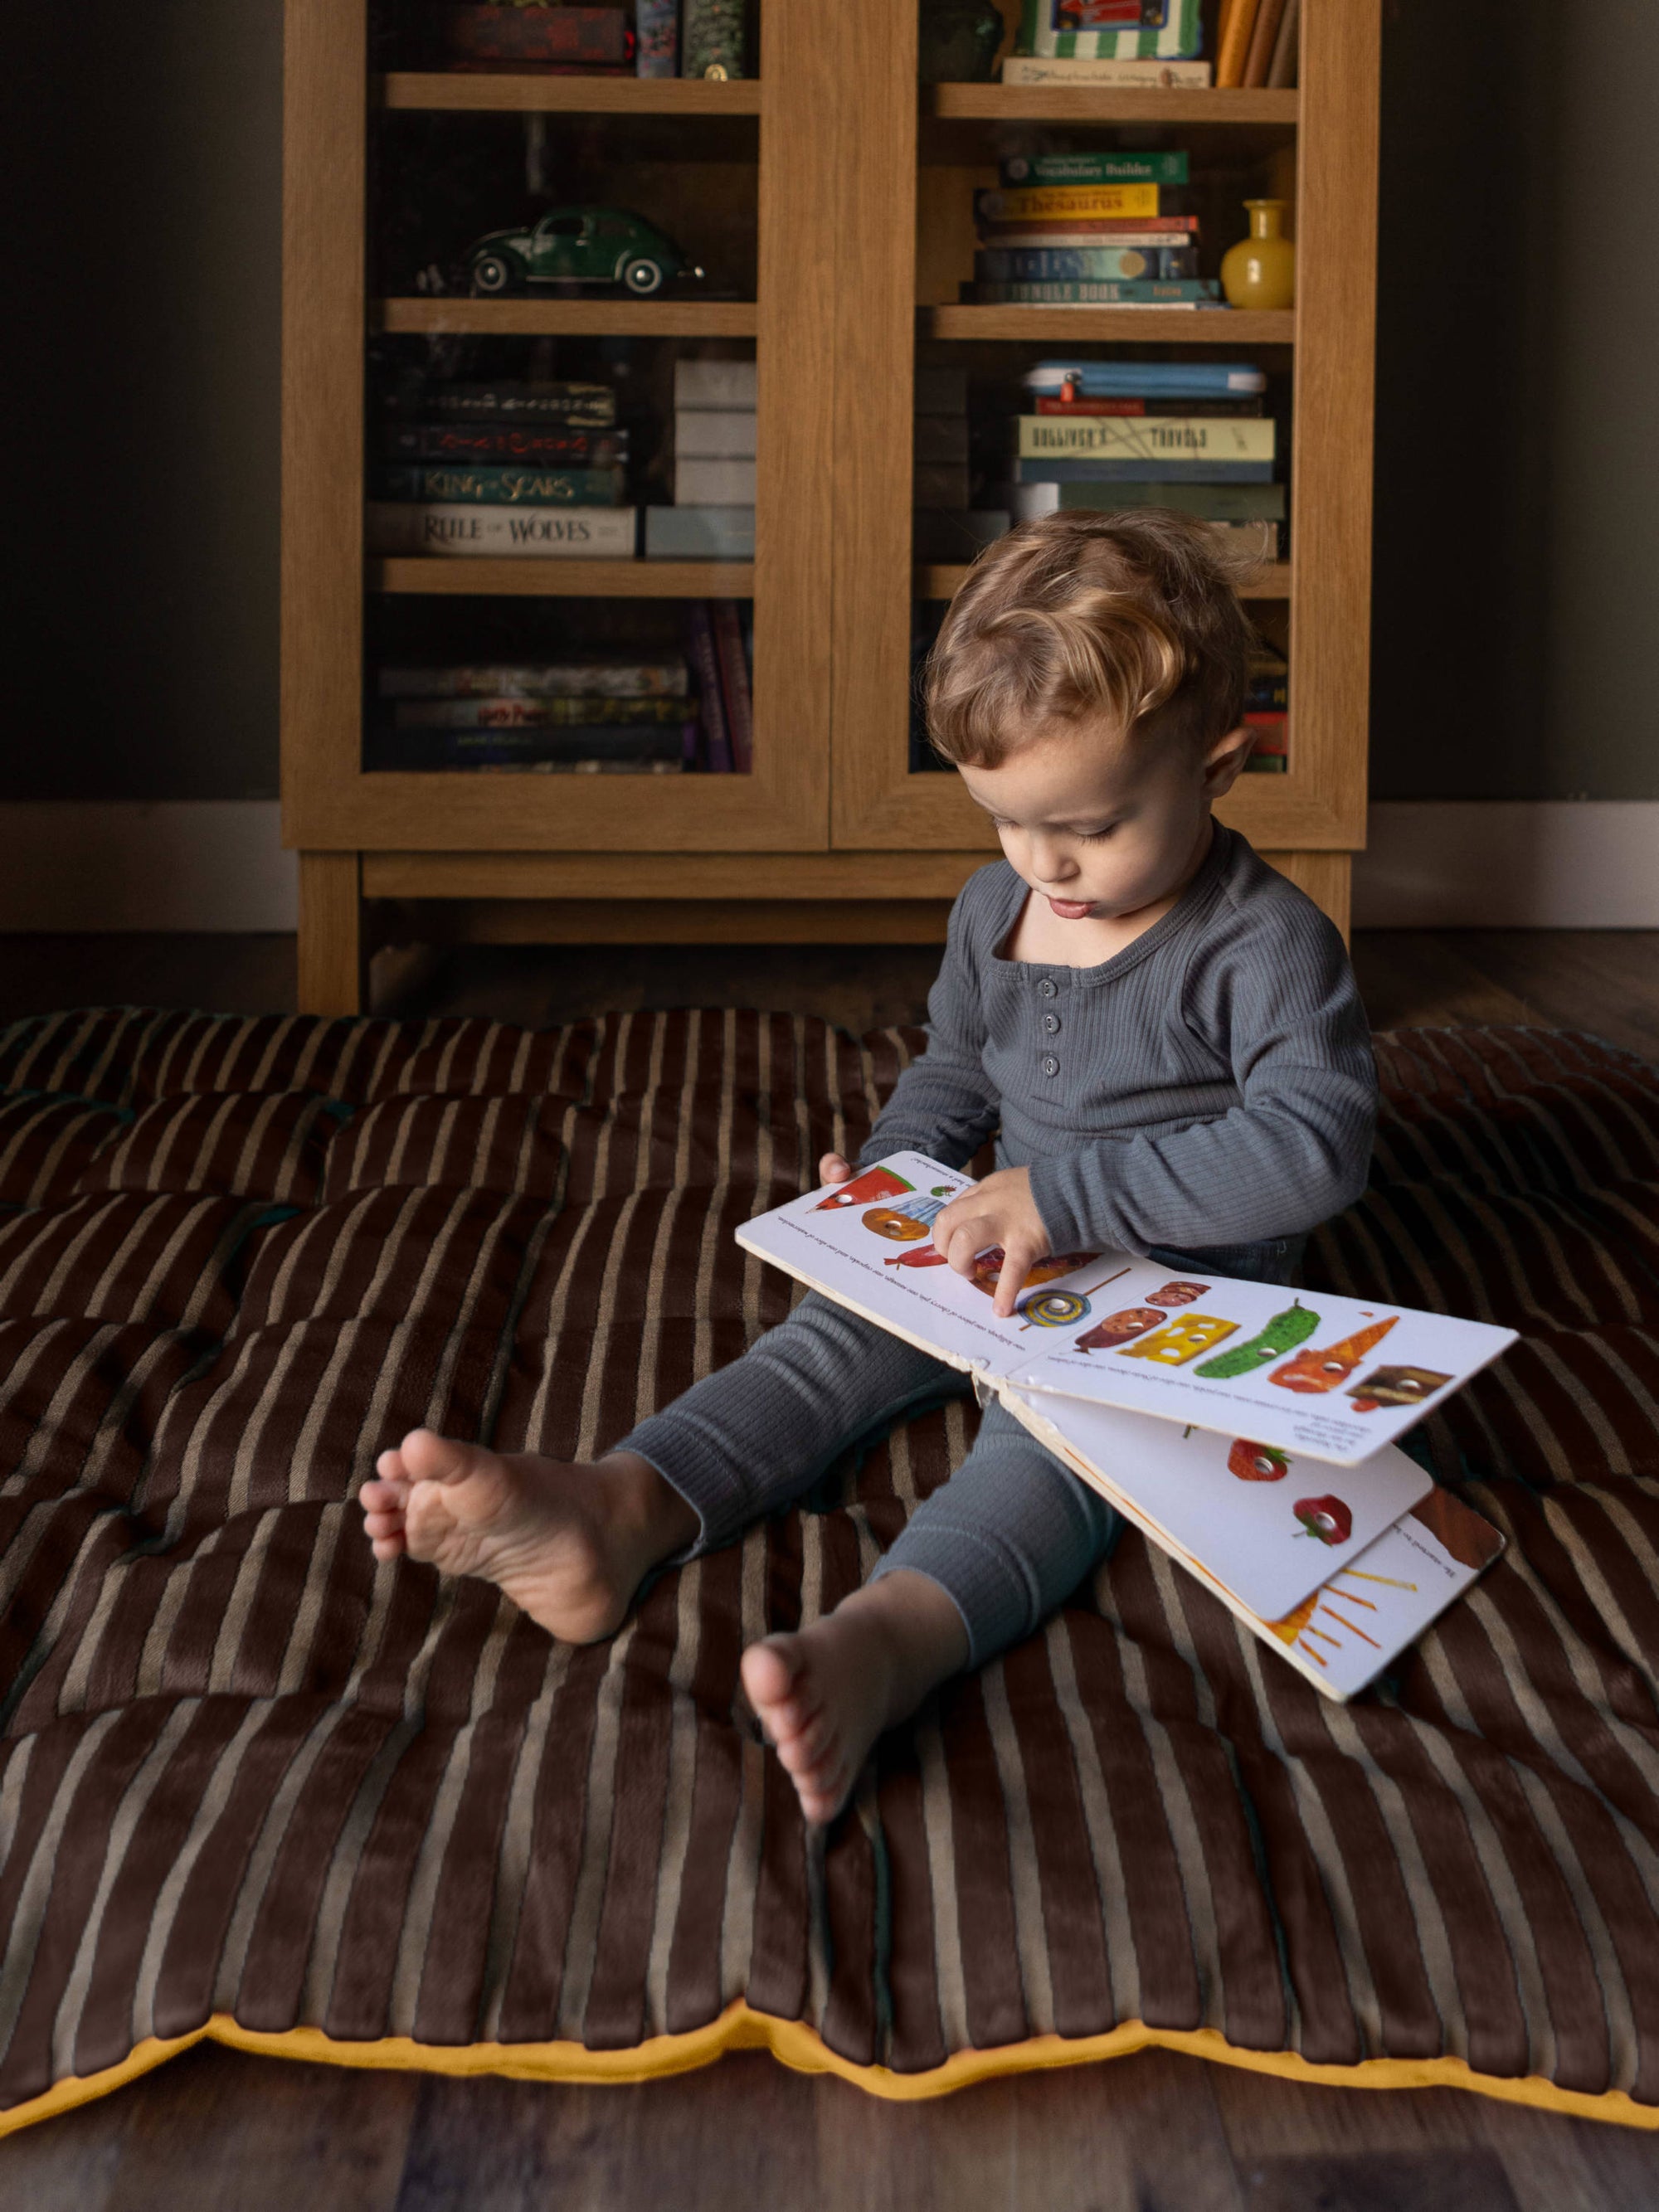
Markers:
<point>1051,1022</point>
<point>1049,988</point>
<point>1051,1066</point>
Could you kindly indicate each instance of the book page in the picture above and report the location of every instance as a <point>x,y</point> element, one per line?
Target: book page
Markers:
<point>1306,1372</point>
<point>1265,1523</point>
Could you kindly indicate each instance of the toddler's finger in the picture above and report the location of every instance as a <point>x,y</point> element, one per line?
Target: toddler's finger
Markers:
<point>833,1169</point>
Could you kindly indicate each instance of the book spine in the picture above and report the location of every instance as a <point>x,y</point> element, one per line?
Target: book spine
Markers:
<point>1141,404</point>
<point>728,384</point>
<point>593,406</point>
<point>468,748</point>
<point>1263,39</point>
<point>657,34</point>
<point>1106,380</point>
<point>641,679</point>
<point>1045,264</point>
<point>1025,203</point>
<point>498,444</point>
<point>528,532</point>
<point>1094,169</point>
<point>714,433</point>
<point>734,685</point>
<point>711,39</point>
<point>1092,230</point>
<point>714,484</point>
<point>1151,76</point>
<point>1225,503</point>
<point>1144,468</point>
<point>1282,72</point>
<point>491,34</point>
<point>1169,437</point>
<point>502,487</point>
<point>700,633</point>
<point>511,713</point>
<point>1080,292</point>
<point>1234,43</point>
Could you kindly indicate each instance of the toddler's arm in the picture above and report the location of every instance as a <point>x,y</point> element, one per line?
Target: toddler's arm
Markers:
<point>943,1104</point>
<point>1275,996</point>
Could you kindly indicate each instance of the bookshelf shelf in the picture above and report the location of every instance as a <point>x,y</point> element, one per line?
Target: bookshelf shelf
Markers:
<point>637,579</point>
<point>936,581</point>
<point>1123,325</point>
<point>1044,103</point>
<point>523,93</point>
<point>537,319</point>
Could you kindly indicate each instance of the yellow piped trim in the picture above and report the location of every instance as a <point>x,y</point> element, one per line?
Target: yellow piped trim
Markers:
<point>740,2028</point>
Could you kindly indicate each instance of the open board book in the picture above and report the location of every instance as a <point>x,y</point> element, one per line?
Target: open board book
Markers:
<point>1209,1413</point>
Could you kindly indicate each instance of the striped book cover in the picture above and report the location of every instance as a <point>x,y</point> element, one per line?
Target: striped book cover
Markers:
<point>1142,30</point>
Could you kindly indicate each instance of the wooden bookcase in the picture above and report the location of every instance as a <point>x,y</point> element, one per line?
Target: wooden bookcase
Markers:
<point>862,193</point>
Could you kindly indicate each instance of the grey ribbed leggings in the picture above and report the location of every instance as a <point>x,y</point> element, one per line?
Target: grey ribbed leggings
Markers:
<point>1008,1538</point>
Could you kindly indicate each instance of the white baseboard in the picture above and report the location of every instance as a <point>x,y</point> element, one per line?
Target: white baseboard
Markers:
<point>1509,864</point>
<point>213,865</point>
<point>218,865</point>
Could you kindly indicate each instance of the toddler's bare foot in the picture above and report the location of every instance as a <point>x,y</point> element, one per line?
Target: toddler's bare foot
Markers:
<point>824,1696</point>
<point>568,1542</point>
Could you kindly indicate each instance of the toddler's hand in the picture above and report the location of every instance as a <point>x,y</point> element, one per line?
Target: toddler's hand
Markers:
<point>997,1210</point>
<point>833,1169</point>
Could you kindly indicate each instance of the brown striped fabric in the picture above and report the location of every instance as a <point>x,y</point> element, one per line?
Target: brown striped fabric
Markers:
<point>245,1771</point>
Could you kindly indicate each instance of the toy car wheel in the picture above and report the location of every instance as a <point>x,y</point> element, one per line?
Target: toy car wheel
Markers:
<point>642,277</point>
<point>492,273</point>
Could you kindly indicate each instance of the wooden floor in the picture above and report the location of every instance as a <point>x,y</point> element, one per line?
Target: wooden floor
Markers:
<point>1155,2133</point>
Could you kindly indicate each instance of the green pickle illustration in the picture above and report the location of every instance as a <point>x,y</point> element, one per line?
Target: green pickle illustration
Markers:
<point>1283,1334</point>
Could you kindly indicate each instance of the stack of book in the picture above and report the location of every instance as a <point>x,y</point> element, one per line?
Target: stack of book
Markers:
<point>1087,230</point>
<point>596,714</point>
<point>1267,709</point>
<point>946,526</point>
<point>536,469</point>
<point>720,646</point>
<point>1256,42</point>
<point>560,41</point>
<point>1189,434</point>
<point>1152,43</point>
<point>713,517</point>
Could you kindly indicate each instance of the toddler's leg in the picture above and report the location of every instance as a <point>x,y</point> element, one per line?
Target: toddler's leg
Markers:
<point>572,1542</point>
<point>983,1561</point>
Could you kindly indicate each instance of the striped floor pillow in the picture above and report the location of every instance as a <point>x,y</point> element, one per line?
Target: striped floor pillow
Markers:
<point>255,1788</point>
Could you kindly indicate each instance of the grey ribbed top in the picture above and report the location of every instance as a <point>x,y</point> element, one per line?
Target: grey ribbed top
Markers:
<point>1213,1084</point>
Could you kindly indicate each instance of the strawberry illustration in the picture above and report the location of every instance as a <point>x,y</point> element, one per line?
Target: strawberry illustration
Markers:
<point>1257,1463</point>
<point>1326,1518</point>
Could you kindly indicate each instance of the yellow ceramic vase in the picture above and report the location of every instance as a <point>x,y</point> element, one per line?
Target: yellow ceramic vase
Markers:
<point>1260,271</point>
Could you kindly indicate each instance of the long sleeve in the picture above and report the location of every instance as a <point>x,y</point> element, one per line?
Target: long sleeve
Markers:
<point>944,1103</point>
<point>1275,1001</point>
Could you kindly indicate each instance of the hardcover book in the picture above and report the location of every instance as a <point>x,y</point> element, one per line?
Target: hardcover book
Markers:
<point>1025,204</point>
<point>1152,76</point>
<point>455,529</point>
<point>1093,169</point>
<point>1043,265</point>
<point>1248,1429</point>
<point>609,677</point>
<point>1143,437</point>
<point>591,406</point>
<point>1112,30</point>
<point>501,486</point>
<point>1213,502</point>
<point>523,444</point>
<point>1186,379</point>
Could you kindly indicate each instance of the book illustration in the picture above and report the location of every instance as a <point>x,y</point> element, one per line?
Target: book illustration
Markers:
<point>986,1273</point>
<point>1320,1368</point>
<point>1395,1386</point>
<point>908,1223</point>
<point>1180,1488</point>
<point>846,1250</point>
<point>1471,1541</point>
<point>1328,1520</point>
<point>1063,1309</point>
<point>1257,1463</point>
<point>874,1182</point>
<point>1283,1334</point>
<point>1117,1328</point>
<point>1180,1340</point>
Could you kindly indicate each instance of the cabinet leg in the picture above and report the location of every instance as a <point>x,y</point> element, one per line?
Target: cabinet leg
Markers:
<point>1327,878</point>
<point>330,935</point>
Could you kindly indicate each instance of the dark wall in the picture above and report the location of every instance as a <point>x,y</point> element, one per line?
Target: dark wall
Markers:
<point>143,239</point>
<point>1517,507</point>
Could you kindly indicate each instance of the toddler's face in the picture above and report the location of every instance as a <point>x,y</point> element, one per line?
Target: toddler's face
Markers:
<point>1102,826</point>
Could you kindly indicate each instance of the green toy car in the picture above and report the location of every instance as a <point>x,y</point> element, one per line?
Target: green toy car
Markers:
<point>578,246</point>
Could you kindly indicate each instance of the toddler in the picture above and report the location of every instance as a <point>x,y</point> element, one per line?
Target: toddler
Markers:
<point>1165,1039</point>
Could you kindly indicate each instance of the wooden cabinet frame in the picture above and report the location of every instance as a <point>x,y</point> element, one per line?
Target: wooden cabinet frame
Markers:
<point>831,833</point>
